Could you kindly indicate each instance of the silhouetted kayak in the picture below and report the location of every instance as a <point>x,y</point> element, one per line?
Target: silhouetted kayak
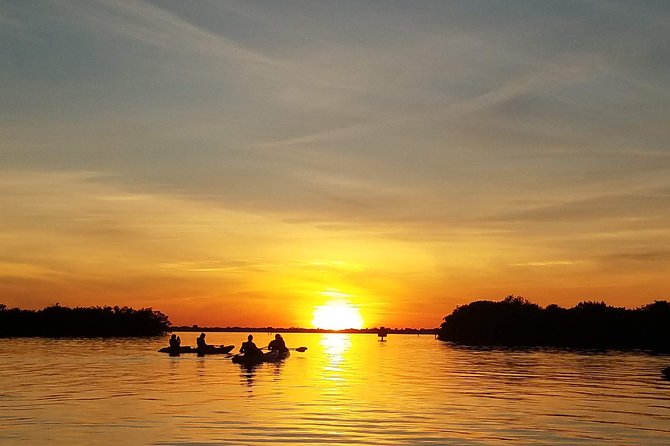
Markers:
<point>257,359</point>
<point>209,350</point>
<point>666,372</point>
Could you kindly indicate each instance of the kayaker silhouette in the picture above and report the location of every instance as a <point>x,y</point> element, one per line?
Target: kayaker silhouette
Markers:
<point>249,348</point>
<point>278,344</point>
<point>175,341</point>
<point>201,341</point>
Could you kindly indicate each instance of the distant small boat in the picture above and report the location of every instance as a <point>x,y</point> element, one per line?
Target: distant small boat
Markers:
<point>666,372</point>
<point>209,350</point>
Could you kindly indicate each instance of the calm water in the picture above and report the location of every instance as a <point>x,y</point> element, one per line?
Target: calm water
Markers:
<point>345,389</point>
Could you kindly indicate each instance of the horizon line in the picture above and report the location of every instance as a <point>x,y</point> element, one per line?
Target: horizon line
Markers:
<point>235,329</point>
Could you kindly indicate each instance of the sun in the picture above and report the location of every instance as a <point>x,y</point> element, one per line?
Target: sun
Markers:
<point>337,315</point>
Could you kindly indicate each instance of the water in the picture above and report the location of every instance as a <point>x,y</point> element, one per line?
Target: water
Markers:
<point>345,389</point>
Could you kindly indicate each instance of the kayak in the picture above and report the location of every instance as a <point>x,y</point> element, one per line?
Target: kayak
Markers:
<point>666,372</point>
<point>210,350</point>
<point>255,359</point>
<point>272,356</point>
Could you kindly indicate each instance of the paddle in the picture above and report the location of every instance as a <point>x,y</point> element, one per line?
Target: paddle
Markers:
<point>298,349</point>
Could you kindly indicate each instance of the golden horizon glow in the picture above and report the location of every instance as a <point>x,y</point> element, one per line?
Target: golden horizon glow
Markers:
<point>337,314</point>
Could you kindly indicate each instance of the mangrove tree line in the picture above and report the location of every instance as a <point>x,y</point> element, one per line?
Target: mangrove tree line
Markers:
<point>514,321</point>
<point>58,321</point>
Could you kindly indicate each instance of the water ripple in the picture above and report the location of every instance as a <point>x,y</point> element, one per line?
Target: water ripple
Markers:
<point>345,390</point>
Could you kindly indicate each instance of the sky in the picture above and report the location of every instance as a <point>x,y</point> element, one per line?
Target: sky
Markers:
<point>247,162</point>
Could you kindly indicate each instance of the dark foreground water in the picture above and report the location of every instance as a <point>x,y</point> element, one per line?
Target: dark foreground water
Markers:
<point>345,389</point>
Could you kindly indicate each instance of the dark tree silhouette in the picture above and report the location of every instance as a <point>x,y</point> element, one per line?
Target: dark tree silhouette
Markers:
<point>514,321</point>
<point>58,321</point>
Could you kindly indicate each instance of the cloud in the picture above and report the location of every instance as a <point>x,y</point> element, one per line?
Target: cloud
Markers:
<point>642,205</point>
<point>157,27</point>
<point>653,256</point>
<point>482,135</point>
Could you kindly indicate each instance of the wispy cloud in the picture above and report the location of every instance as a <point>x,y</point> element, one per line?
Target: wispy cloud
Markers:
<point>152,25</point>
<point>210,137</point>
<point>647,205</point>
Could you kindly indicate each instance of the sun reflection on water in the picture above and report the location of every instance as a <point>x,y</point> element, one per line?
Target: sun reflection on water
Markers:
<point>335,345</point>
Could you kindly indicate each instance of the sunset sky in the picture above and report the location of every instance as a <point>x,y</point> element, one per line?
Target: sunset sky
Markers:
<point>247,162</point>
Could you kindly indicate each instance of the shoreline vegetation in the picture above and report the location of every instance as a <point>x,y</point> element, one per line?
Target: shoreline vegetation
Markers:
<point>196,328</point>
<point>56,321</point>
<point>517,322</point>
<point>511,322</point>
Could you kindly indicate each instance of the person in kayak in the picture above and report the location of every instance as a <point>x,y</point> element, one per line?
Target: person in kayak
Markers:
<point>201,342</point>
<point>175,341</point>
<point>249,348</point>
<point>278,344</point>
